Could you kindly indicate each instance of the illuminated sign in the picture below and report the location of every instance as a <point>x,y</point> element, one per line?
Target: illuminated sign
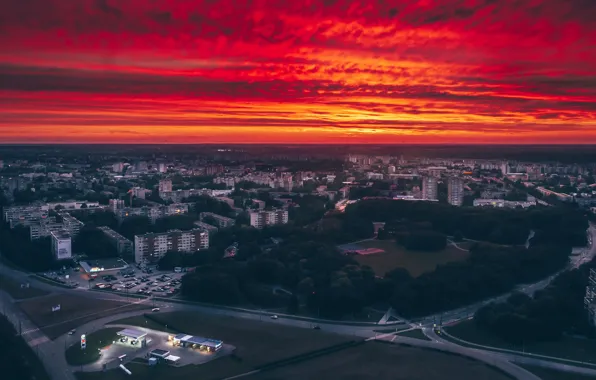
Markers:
<point>83,341</point>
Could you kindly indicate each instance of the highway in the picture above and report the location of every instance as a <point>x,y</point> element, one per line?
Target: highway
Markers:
<point>51,352</point>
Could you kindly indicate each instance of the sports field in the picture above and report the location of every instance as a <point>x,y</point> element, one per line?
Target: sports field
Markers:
<point>395,256</point>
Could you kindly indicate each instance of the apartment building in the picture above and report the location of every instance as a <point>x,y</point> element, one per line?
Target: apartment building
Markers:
<point>153,213</point>
<point>165,185</point>
<point>115,204</point>
<point>25,215</point>
<point>61,245</point>
<point>44,227</point>
<point>455,191</point>
<point>180,195</point>
<point>71,224</point>
<point>501,203</point>
<point>218,220</point>
<point>153,246</point>
<point>123,245</point>
<point>206,226</point>
<point>263,218</point>
<point>430,188</point>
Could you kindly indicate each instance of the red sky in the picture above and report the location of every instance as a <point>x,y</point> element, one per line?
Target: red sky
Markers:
<point>299,71</point>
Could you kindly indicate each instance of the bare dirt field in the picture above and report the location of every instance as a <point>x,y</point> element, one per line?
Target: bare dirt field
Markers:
<point>415,262</point>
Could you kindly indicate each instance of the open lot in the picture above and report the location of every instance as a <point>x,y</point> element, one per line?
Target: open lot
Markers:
<point>551,374</point>
<point>566,348</point>
<point>256,343</point>
<point>74,311</point>
<point>415,262</point>
<point>384,362</point>
<point>95,341</point>
<point>18,290</point>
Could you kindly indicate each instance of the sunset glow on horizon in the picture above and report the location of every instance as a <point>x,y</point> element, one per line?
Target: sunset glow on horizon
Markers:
<point>303,71</point>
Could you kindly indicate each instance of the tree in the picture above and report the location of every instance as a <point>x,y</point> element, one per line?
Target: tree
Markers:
<point>93,243</point>
<point>293,305</point>
<point>424,241</point>
<point>135,225</point>
<point>213,287</point>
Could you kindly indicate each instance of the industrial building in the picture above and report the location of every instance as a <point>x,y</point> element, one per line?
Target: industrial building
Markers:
<point>263,218</point>
<point>152,246</point>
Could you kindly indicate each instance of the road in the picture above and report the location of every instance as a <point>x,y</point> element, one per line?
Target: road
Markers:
<point>50,352</point>
<point>466,312</point>
<point>514,356</point>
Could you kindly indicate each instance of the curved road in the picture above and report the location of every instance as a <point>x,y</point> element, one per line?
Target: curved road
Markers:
<point>51,352</point>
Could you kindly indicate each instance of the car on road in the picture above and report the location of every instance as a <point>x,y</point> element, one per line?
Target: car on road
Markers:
<point>71,332</point>
<point>316,327</point>
<point>274,317</point>
<point>155,309</point>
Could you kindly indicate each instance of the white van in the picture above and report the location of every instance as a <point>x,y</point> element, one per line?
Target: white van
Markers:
<point>177,270</point>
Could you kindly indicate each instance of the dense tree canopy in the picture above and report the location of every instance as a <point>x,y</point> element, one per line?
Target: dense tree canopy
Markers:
<point>550,313</point>
<point>93,243</point>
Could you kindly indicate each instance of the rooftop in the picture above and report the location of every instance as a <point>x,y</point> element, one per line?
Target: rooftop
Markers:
<point>103,265</point>
<point>132,333</point>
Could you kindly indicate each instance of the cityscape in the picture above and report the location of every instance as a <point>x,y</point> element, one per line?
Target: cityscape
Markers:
<point>150,260</point>
<point>314,189</point>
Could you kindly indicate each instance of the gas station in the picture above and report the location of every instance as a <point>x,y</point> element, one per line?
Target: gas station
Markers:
<point>132,338</point>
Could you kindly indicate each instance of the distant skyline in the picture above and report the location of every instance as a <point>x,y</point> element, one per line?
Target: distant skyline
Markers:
<point>327,71</point>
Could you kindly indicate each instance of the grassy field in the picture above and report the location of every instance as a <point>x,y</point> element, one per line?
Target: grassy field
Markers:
<point>376,361</point>
<point>566,348</point>
<point>398,257</point>
<point>416,333</point>
<point>13,288</point>
<point>95,341</point>
<point>257,343</point>
<point>74,311</point>
<point>551,374</point>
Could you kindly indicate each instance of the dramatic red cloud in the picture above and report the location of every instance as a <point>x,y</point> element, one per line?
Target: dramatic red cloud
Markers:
<point>413,71</point>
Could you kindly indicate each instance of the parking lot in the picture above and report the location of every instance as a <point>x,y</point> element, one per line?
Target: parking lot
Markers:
<point>130,281</point>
